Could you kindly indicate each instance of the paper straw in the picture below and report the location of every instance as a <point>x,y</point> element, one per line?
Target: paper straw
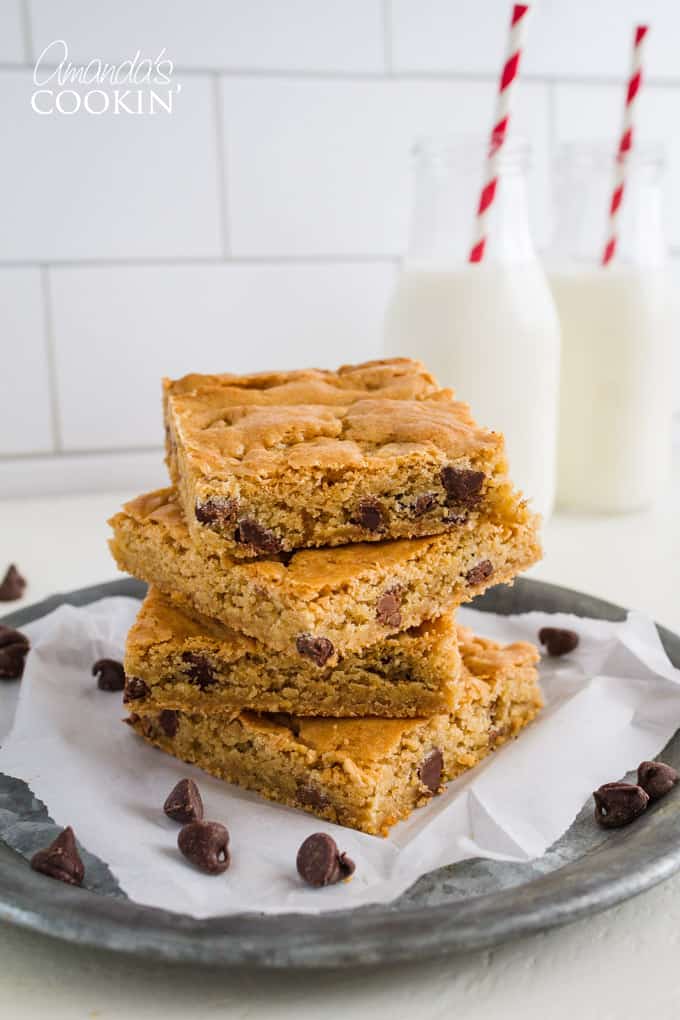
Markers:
<point>625,143</point>
<point>506,90</point>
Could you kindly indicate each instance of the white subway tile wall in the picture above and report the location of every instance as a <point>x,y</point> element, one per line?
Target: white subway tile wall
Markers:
<point>13,49</point>
<point>259,223</point>
<point>25,404</point>
<point>280,35</point>
<point>573,40</point>
<point>109,187</point>
<point>322,167</point>
<point>118,330</point>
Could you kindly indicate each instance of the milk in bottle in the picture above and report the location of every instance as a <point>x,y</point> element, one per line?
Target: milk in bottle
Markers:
<point>489,330</point>
<point>617,334</point>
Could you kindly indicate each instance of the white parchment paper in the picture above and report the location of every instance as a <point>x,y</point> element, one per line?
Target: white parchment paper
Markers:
<point>609,705</point>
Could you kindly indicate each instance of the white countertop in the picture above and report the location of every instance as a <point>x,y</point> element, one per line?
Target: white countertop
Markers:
<point>619,964</point>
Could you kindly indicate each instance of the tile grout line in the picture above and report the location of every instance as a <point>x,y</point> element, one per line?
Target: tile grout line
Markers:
<point>116,451</point>
<point>221,160</point>
<point>134,262</point>
<point>50,358</point>
<point>402,74</point>
<point>264,261</point>
<point>386,18</point>
<point>27,31</point>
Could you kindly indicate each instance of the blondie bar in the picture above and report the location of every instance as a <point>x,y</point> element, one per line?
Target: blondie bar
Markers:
<point>364,773</point>
<point>178,660</point>
<point>280,461</point>
<point>321,603</point>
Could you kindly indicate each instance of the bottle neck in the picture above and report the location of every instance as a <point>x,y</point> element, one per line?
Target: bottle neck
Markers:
<point>447,186</point>
<point>584,184</point>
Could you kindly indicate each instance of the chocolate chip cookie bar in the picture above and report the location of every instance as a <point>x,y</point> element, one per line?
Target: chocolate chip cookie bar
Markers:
<point>322,603</point>
<point>273,462</point>
<point>178,660</point>
<point>364,773</point>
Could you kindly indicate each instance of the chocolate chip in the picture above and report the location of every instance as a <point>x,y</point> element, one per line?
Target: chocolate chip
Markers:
<point>12,585</point>
<point>371,515</point>
<point>656,778</point>
<point>479,573</point>
<point>463,486</point>
<point>217,510</point>
<point>423,504</point>
<point>430,771</point>
<point>61,859</point>
<point>183,803</point>
<point>251,532</point>
<point>319,863</point>
<point>206,845</point>
<point>14,648</point>
<point>110,675</point>
<point>617,804</point>
<point>558,641</point>
<point>135,689</point>
<point>387,610</point>
<point>168,722</point>
<point>318,649</point>
<point>200,671</point>
<point>309,796</point>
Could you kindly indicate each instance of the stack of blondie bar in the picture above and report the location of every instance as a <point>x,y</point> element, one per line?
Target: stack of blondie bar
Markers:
<point>298,636</point>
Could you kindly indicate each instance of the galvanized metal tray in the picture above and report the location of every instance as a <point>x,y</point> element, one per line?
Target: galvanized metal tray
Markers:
<point>471,905</point>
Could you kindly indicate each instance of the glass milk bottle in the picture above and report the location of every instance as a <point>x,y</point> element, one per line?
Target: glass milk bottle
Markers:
<point>489,329</point>
<point>617,332</point>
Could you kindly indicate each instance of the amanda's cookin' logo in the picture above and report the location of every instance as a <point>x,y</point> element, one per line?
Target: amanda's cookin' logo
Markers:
<point>138,86</point>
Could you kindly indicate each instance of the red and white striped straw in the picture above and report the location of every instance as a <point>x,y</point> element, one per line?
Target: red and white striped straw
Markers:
<point>625,143</point>
<point>506,90</point>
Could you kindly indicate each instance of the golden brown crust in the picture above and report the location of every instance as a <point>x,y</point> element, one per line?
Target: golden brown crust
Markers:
<point>366,773</point>
<point>192,663</point>
<point>350,595</point>
<point>311,458</point>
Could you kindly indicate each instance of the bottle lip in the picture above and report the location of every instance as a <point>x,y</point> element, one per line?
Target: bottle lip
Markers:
<point>471,151</point>
<point>597,153</point>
